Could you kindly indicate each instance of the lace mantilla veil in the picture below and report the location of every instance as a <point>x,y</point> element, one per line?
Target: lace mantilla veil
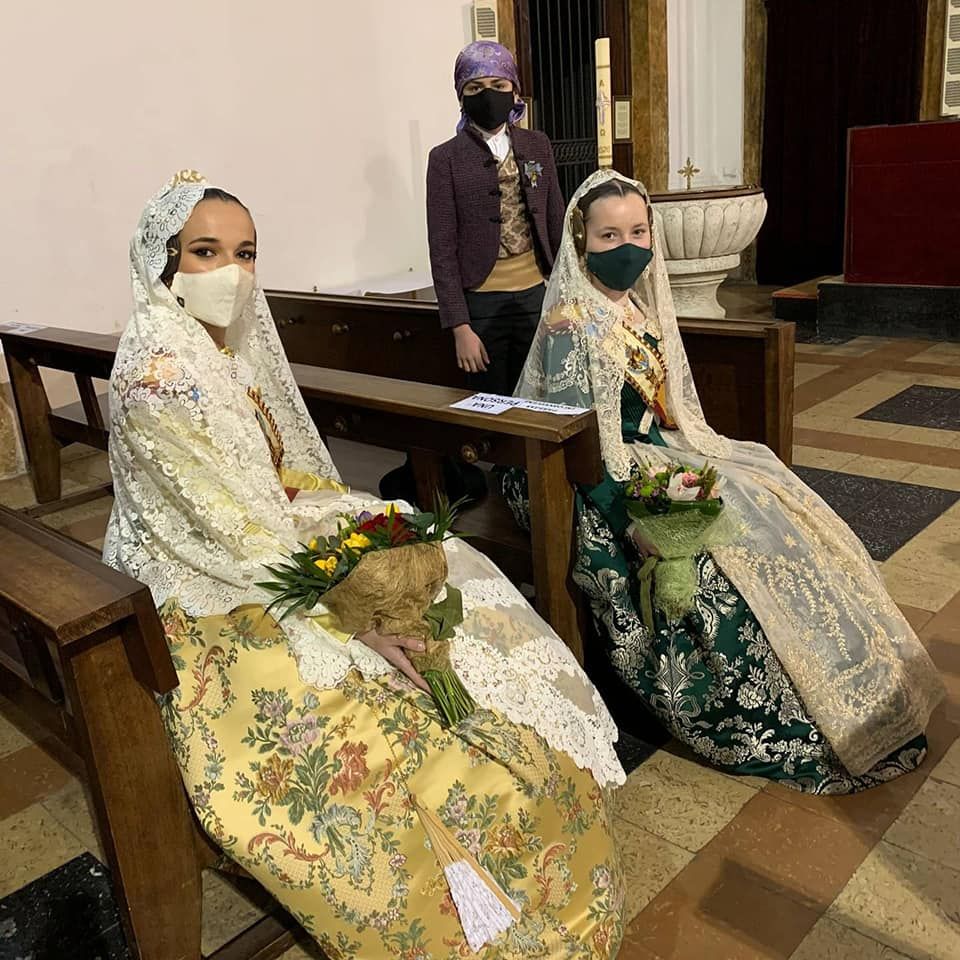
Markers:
<point>857,664</point>
<point>199,507</point>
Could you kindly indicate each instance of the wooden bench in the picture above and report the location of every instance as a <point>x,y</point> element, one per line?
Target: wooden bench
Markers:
<point>82,652</point>
<point>557,451</point>
<point>85,355</point>
<point>743,369</point>
<point>744,372</point>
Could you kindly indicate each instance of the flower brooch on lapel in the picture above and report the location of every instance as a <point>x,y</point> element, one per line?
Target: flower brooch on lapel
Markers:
<point>532,170</point>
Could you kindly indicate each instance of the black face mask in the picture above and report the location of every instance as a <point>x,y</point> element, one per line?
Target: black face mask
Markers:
<point>489,108</point>
<point>619,268</point>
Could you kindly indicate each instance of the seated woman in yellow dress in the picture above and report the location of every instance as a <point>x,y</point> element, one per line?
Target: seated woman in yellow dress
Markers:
<point>311,757</point>
<point>789,660</point>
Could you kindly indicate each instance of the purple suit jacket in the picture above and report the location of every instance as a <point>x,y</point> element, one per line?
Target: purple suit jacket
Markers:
<point>463,213</point>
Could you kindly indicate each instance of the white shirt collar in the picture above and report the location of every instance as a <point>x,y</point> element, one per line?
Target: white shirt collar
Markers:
<point>499,142</point>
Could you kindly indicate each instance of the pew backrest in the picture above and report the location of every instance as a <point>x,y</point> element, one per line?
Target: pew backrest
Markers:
<point>743,369</point>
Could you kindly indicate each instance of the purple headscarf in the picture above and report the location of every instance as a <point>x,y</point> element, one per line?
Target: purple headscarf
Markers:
<point>484,58</point>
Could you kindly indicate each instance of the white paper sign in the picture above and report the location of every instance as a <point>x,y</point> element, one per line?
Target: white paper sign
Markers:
<point>542,406</point>
<point>483,403</point>
<point>493,404</point>
<point>21,328</point>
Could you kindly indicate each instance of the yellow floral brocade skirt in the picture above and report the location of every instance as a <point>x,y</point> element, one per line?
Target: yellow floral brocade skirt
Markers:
<point>312,792</point>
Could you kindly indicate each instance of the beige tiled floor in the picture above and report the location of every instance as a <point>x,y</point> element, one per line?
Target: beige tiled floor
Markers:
<point>649,864</point>
<point>830,940</point>
<point>929,825</point>
<point>810,371</point>
<point>680,801</point>
<point>904,900</point>
<point>32,843</point>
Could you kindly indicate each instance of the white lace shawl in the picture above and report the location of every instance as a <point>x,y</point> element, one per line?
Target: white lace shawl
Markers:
<point>199,508</point>
<point>856,662</point>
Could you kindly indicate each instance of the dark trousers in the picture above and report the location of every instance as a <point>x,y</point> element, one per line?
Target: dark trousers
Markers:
<point>506,323</point>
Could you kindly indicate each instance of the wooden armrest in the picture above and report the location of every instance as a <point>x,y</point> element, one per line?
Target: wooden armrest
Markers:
<point>60,592</point>
<point>432,403</point>
<point>404,415</point>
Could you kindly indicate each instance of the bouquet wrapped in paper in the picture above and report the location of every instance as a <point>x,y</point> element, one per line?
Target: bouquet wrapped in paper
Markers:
<point>385,572</point>
<point>677,514</point>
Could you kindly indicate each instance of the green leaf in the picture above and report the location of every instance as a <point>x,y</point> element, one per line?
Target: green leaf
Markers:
<point>445,615</point>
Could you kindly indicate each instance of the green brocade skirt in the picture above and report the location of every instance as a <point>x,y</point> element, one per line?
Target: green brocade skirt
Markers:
<point>711,678</point>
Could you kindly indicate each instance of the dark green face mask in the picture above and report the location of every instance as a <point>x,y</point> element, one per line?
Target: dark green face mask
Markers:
<point>619,268</point>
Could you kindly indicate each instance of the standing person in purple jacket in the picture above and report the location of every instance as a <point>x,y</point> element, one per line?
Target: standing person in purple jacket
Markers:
<point>494,221</point>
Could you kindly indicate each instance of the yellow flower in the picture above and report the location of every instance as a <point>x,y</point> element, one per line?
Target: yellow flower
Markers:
<point>391,510</point>
<point>327,566</point>
<point>313,544</point>
<point>273,778</point>
<point>356,541</point>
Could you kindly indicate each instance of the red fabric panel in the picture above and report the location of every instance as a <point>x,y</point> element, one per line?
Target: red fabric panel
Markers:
<point>903,204</point>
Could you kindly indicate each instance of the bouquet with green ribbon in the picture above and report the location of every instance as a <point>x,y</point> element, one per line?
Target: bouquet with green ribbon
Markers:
<point>385,572</point>
<point>677,514</point>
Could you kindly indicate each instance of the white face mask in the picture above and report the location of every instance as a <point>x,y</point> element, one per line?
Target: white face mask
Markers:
<point>217,297</point>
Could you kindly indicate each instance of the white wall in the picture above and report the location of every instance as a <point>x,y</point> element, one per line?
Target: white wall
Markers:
<point>318,115</point>
<point>705,90</point>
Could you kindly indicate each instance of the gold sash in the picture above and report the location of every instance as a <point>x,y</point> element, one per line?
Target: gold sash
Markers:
<point>645,369</point>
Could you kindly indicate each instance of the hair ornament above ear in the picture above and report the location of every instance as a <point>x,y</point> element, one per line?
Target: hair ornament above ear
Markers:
<point>578,230</point>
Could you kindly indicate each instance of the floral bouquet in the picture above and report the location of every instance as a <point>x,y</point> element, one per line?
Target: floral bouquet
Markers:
<point>384,572</point>
<point>677,513</point>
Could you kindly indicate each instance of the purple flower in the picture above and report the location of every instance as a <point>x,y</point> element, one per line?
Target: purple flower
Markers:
<point>274,709</point>
<point>471,840</point>
<point>296,737</point>
<point>457,810</point>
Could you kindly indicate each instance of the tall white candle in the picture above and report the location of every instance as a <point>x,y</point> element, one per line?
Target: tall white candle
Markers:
<point>604,105</point>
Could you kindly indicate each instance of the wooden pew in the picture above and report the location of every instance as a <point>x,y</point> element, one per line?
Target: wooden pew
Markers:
<point>744,372</point>
<point>86,356</point>
<point>82,651</point>
<point>556,451</point>
<point>743,369</point>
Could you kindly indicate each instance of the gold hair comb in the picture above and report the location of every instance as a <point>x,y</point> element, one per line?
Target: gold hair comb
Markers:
<point>187,176</point>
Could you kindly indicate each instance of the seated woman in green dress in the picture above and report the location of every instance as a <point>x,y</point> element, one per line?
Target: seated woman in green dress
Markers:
<point>792,663</point>
<point>311,757</point>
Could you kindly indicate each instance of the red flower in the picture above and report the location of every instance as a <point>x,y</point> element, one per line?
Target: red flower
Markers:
<point>397,529</point>
<point>352,769</point>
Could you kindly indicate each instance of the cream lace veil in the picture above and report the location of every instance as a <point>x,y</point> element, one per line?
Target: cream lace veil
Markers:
<point>197,523</point>
<point>199,508</point>
<point>856,663</point>
<point>591,375</point>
